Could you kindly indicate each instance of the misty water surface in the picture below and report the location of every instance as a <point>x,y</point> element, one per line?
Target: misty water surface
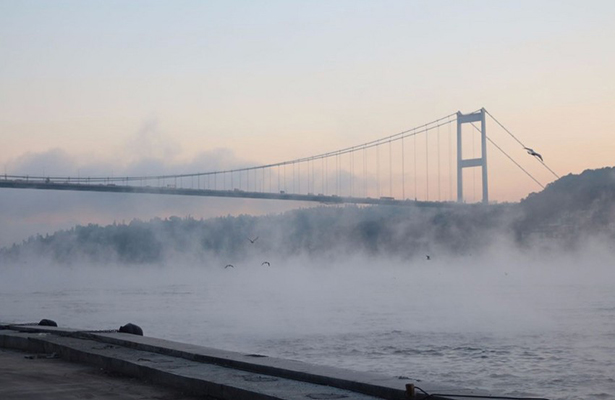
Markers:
<point>509,322</point>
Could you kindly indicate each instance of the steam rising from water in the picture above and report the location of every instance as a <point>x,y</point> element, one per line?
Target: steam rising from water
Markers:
<point>507,293</point>
<point>503,320</point>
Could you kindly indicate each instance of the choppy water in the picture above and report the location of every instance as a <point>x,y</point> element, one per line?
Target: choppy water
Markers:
<point>526,330</point>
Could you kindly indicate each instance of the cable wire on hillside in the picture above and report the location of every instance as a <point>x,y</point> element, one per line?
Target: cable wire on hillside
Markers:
<point>510,158</point>
<point>517,164</point>
<point>522,145</point>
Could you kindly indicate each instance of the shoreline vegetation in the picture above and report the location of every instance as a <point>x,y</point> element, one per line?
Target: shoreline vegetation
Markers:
<point>569,211</point>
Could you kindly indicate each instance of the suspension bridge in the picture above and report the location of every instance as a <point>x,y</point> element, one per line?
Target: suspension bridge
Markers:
<point>422,166</point>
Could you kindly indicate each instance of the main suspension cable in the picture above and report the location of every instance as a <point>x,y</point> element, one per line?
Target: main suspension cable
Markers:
<point>510,158</point>
<point>522,145</point>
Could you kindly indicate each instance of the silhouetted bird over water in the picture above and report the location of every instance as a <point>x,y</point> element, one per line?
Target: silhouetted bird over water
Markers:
<point>229,265</point>
<point>533,153</point>
<point>266,262</point>
<point>253,240</point>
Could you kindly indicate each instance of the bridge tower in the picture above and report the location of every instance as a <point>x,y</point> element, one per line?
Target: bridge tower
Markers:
<point>481,161</point>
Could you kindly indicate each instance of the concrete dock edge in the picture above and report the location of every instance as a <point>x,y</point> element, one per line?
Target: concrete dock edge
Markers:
<point>208,371</point>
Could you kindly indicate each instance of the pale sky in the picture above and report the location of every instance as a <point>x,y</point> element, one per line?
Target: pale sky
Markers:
<point>115,87</point>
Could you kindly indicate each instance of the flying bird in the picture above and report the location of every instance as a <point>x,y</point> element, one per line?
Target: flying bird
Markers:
<point>266,262</point>
<point>428,257</point>
<point>253,240</point>
<point>533,153</point>
<point>229,265</point>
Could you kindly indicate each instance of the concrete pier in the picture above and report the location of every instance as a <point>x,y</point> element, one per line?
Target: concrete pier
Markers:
<point>25,376</point>
<point>201,371</point>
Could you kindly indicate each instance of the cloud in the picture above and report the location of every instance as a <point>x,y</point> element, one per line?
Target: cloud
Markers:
<point>150,141</point>
<point>151,152</point>
<point>55,161</point>
<point>28,212</point>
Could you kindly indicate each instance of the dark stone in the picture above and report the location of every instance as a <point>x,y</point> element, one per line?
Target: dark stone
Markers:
<point>132,329</point>
<point>47,322</point>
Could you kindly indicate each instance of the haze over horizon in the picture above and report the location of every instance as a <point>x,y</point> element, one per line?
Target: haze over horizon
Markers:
<point>116,88</point>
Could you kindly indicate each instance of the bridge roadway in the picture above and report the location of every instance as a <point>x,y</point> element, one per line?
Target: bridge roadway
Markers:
<point>113,188</point>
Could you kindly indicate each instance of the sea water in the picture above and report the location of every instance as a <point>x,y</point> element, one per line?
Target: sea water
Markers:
<point>510,328</point>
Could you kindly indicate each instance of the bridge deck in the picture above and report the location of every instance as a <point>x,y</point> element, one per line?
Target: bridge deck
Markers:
<point>319,198</point>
